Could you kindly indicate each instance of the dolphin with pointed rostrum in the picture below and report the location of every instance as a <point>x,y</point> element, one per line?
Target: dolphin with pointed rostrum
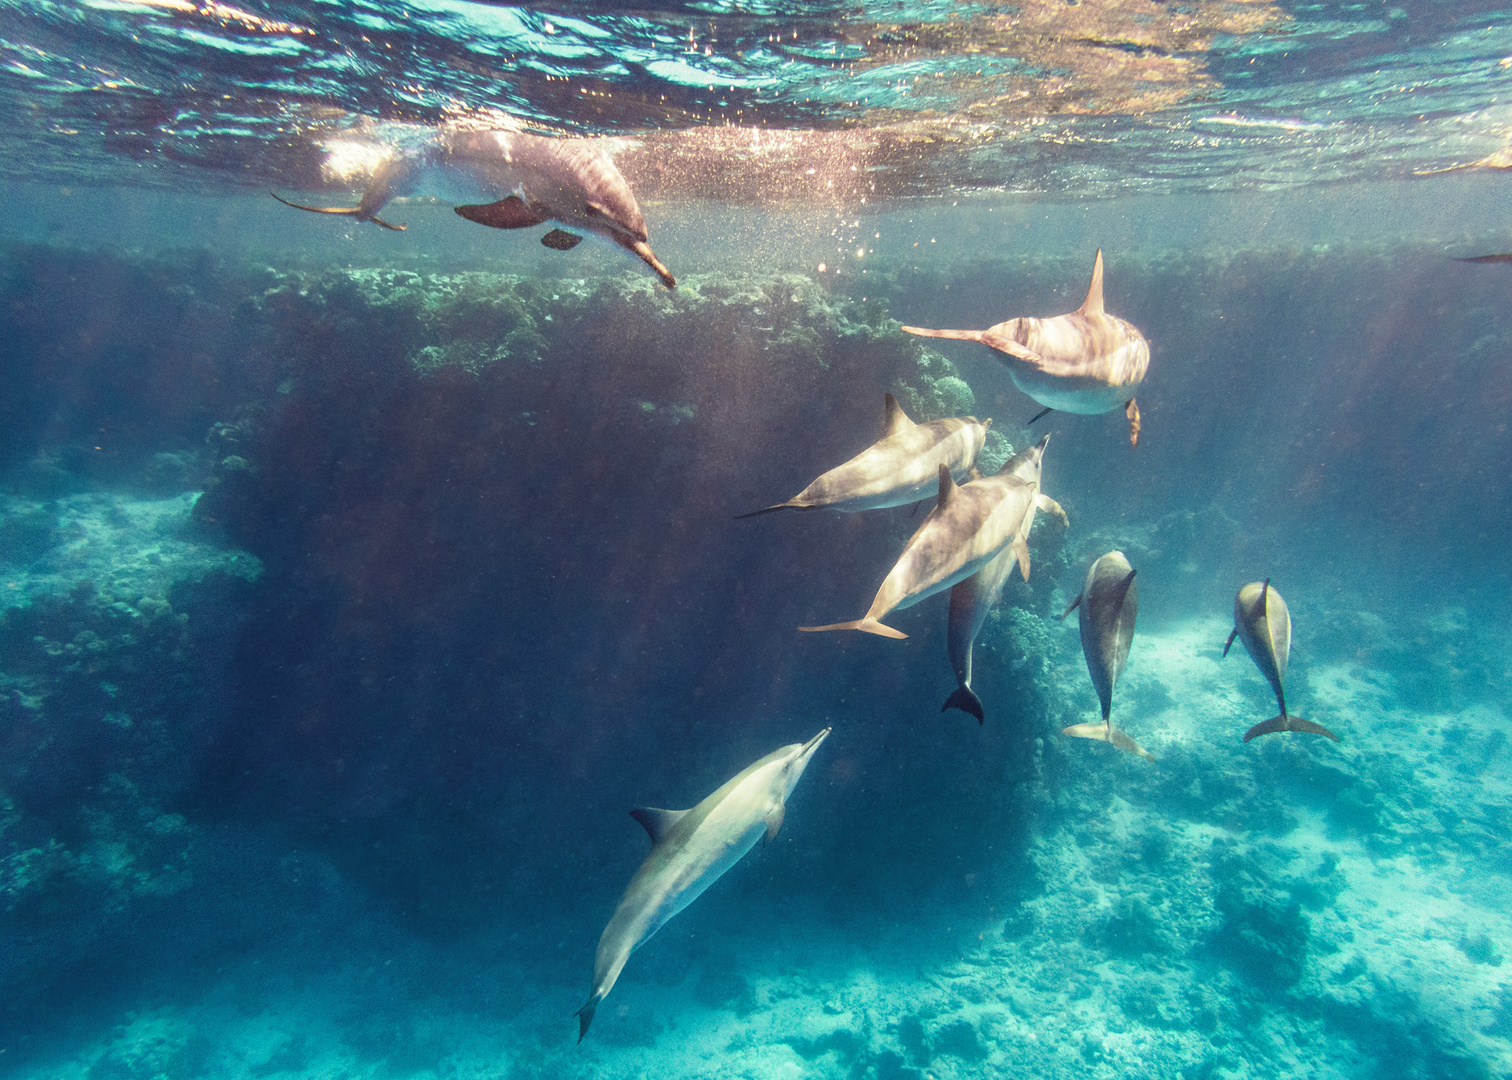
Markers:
<point>513,180</point>
<point>901,467</point>
<point>969,525</point>
<point>1109,603</point>
<point>1085,361</point>
<point>973,598</point>
<point>1263,622</point>
<point>690,850</point>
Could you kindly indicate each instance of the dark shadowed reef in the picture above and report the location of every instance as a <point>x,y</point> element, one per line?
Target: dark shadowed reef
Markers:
<point>464,585</point>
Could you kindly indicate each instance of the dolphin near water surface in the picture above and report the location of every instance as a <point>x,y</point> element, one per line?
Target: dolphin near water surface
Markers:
<point>900,468</point>
<point>513,180</point>
<point>1085,361</point>
<point>968,526</point>
<point>690,850</point>
<point>1109,603</point>
<point>1263,622</point>
<point>973,598</point>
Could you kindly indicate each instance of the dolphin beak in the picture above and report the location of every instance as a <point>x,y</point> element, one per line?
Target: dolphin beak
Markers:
<point>1044,442</point>
<point>643,250</point>
<point>813,744</point>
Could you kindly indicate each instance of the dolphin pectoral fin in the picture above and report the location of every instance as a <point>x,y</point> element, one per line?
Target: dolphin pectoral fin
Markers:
<point>966,700</point>
<point>510,213</point>
<point>774,821</point>
<point>1131,410</point>
<point>894,420</point>
<point>1046,411</point>
<point>1287,723</point>
<point>1484,258</point>
<point>1020,549</point>
<point>1070,608</point>
<point>585,1015</point>
<point>1105,732</point>
<point>870,626</point>
<point>1232,635</point>
<point>561,240</point>
<point>354,211</point>
<point>1046,505</point>
<point>657,823</point>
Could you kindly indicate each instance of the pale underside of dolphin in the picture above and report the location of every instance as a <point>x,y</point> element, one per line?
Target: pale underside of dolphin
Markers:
<point>972,599</point>
<point>1263,622</point>
<point>1085,361</point>
<point>690,850</point>
<point>969,525</point>
<point>1109,603</point>
<point>513,180</point>
<point>900,468</point>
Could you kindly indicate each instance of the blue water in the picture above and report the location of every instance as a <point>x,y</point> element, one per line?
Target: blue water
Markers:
<point>355,584</point>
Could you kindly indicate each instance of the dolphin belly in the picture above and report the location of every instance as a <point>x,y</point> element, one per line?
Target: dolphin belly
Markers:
<point>1084,397</point>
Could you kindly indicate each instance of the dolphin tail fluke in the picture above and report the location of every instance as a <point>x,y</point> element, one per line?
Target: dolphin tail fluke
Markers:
<point>347,211</point>
<point>1287,723</point>
<point>1105,732</point>
<point>959,335</point>
<point>870,626</point>
<point>966,700</point>
<point>585,1015</point>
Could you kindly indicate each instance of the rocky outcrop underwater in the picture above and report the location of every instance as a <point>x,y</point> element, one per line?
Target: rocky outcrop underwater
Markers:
<point>346,612</point>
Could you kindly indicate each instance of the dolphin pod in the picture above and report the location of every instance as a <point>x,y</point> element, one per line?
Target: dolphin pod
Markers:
<point>973,598</point>
<point>1263,623</point>
<point>690,850</point>
<point>513,180</point>
<point>1109,602</point>
<point>1085,361</point>
<point>900,468</point>
<point>969,525</point>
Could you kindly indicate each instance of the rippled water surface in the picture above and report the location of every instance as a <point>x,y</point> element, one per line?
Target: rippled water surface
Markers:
<point>1041,96</point>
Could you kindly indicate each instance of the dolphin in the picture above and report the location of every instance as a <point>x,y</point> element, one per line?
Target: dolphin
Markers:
<point>513,180</point>
<point>900,468</point>
<point>968,526</point>
<point>1085,362</point>
<point>690,850</point>
<point>1263,623</point>
<point>1109,603</point>
<point>973,598</point>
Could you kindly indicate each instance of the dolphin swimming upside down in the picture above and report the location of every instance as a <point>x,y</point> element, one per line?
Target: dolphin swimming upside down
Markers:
<point>513,180</point>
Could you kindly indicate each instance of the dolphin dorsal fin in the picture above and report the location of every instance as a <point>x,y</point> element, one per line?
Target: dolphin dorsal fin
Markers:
<point>895,420</point>
<point>1122,588</point>
<point>657,822</point>
<point>1093,304</point>
<point>947,487</point>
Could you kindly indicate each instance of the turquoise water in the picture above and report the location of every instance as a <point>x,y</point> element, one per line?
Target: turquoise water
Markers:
<point>355,584</point>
